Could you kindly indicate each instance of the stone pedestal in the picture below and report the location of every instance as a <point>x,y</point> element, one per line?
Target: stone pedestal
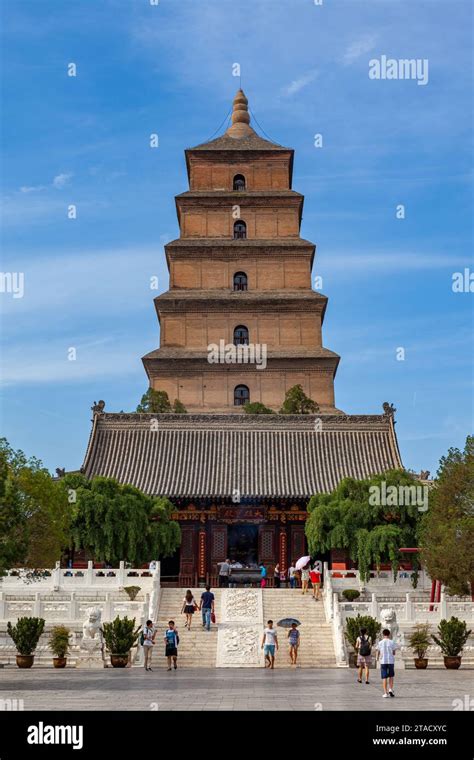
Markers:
<point>90,655</point>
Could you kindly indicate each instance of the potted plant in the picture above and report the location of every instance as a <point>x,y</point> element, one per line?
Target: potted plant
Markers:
<point>26,634</point>
<point>350,594</point>
<point>419,640</point>
<point>132,591</point>
<point>452,635</point>
<point>353,626</point>
<point>120,635</point>
<point>59,645</point>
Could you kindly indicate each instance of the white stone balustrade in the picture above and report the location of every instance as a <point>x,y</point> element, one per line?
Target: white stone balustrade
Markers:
<point>64,595</point>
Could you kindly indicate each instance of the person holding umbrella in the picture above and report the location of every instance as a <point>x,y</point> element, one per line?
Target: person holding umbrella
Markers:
<point>303,565</point>
<point>294,642</point>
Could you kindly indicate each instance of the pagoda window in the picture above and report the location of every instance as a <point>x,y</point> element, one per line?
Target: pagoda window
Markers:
<point>240,281</point>
<point>239,183</point>
<point>241,336</point>
<point>240,230</point>
<point>241,395</point>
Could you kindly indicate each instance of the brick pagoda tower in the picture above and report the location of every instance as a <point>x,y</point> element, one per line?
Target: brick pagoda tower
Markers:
<point>240,274</point>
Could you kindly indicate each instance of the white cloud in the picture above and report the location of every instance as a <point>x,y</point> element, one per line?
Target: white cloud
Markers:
<point>61,180</point>
<point>358,48</point>
<point>31,362</point>
<point>383,261</point>
<point>298,84</point>
<point>32,188</point>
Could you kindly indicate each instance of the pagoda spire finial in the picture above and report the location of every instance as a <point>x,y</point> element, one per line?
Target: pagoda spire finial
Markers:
<point>240,117</point>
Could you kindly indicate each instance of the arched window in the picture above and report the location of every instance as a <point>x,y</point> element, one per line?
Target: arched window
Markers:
<point>241,336</point>
<point>241,395</point>
<point>239,182</point>
<point>240,281</point>
<point>240,230</point>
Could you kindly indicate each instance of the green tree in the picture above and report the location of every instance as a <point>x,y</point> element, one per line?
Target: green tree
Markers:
<point>297,402</point>
<point>34,511</point>
<point>447,529</point>
<point>178,407</point>
<point>257,408</point>
<point>350,518</point>
<point>114,522</point>
<point>156,402</point>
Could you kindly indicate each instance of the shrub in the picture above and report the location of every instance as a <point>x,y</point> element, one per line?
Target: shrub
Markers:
<point>132,591</point>
<point>453,634</point>
<point>59,641</point>
<point>420,639</point>
<point>120,635</point>
<point>354,624</point>
<point>257,408</point>
<point>26,634</point>
<point>350,594</point>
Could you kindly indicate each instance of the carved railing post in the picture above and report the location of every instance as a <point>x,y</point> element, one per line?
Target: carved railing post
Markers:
<point>56,577</point>
<point>121,575</point>
<point>90,573</point>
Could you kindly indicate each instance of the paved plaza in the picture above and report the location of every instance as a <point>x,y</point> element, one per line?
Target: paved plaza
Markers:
<point>231,689</point>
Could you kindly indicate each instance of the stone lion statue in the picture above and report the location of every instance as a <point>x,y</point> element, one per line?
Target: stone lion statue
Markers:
<point>388,618</point>
<point>91,625</point>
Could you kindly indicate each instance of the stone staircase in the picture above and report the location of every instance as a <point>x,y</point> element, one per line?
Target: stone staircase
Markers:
<point>317,647</point>
<point>197,647</point>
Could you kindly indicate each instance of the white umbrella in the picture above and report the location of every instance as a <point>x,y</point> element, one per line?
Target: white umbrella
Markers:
<point>302,562</point>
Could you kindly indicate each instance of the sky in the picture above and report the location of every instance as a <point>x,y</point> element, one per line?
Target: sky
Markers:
<point>168,69</point>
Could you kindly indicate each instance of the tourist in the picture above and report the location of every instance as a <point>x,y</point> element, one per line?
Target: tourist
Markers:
<point>207,607</point>
<point>276,575</point>
<point>304,579</point>
<point>189,608</point>
<point>363,647</point>
<point>224,569</point>
<point>269,644</point>
<point>147,640</point>
<point>263,575</point>
<point>386,649</point>
<point>294,642</point>
<point>171,645</point>
<point>315,577</point>
<point>292,575</point>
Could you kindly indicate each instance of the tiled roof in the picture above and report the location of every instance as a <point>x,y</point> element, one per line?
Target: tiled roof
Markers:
<point>249,142</point>
<point>195,456</point>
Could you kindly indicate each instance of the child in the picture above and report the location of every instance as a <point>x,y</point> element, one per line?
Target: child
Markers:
<point>270,642</point>
<point>171,641</point>
<point>294,642</point>
<point>386,649</point>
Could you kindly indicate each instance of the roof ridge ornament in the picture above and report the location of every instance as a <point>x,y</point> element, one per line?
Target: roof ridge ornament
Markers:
<point>98,407</point>
<point>388,409</point>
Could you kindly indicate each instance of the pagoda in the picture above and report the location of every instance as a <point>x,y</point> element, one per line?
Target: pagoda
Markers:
<point>240,274</point>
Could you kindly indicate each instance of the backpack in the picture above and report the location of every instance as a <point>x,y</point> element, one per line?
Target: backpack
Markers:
<point>142,636</point>
<point>365,648</point>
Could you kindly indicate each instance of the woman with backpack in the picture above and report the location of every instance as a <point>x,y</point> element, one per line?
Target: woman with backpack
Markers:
<point>363,647</point>
<point>189,608</point>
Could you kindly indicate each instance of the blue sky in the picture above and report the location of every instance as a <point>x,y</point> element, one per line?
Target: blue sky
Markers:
<point>168,69</point>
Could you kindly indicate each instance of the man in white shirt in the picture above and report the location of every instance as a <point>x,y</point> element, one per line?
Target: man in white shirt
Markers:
<point>386,649</point>
<point>269,643</point>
